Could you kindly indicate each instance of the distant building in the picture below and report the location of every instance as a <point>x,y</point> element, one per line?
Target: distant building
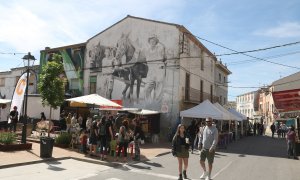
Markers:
<point>8,81</point>
<point>247,104</point>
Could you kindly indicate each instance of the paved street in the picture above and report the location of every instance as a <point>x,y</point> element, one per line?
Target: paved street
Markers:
<point>249,158</point>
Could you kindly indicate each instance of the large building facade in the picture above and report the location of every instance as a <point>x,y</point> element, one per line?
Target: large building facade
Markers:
<point>148,65</point>
<point>152,65</point>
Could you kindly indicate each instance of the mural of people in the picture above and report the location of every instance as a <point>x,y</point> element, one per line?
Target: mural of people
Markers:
<point>107,80</point>
<point>156,58</point>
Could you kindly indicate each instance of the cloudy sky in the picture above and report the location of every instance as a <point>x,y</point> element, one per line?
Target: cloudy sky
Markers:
<point>31,25</point>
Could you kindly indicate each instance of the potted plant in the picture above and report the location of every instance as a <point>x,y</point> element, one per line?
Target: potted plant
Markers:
<point>51,88</point>
<point>63,140</point>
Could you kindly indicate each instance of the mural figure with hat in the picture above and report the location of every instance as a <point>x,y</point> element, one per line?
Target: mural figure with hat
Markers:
<point>156,59</point>
<point>14,116</point>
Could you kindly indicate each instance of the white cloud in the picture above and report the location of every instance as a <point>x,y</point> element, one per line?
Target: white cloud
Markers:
<point>27,25</point>
<point>283,30</point>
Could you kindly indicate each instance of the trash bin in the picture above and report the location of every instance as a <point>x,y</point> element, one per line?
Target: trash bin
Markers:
<point>46,147</point>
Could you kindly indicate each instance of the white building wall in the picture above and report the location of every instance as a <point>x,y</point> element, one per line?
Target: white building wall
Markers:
<point>245,104</point>
<point>7,89</point>
<point>190,62</point>
<point>128,42</point>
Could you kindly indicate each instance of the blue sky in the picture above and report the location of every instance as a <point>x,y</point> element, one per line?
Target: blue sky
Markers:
<point>31,25</point>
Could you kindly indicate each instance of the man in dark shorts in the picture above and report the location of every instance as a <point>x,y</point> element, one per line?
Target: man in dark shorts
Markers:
<point>209,144</point>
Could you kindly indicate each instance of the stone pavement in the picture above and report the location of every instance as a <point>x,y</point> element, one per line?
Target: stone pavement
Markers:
<point>17,158</point>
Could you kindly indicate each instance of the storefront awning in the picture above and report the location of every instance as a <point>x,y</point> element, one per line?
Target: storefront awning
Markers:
<point>286,101</point>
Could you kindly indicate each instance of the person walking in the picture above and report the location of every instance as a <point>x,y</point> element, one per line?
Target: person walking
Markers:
<point>283,130</point>
<point>83,141</point>
<point>209,141</point>
<point>138,135</point>
<point>291,139</point>
<point>93,138</point>
<point>200,135</point>
<point>68,120</point>
<point>14,116</point>
<point>265,128</point>
<point>273,128</point>
<point>180,149</point>
<point>191,132</point>
<point>102,138</point>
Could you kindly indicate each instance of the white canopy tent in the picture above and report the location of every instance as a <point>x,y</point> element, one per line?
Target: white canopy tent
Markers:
<point>203,110</point>
<point>94,99</point>
<point>233,111</point>
<point>230,117</point>
<point>243,117</point>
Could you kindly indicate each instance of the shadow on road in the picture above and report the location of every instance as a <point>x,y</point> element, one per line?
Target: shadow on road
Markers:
<point>257,146</point>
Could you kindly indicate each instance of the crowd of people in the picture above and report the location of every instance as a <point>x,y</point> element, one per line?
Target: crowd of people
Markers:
<point>100,135</point>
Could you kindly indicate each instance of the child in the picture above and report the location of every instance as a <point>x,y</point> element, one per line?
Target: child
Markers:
<point>83,141</point>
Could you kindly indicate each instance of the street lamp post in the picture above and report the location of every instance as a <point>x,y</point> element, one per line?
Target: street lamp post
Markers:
<point>27,58</point>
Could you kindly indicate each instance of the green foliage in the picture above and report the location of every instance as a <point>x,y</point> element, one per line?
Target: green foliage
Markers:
<point>51,86</point>
<point>64,138</point>
<point>7,137</point>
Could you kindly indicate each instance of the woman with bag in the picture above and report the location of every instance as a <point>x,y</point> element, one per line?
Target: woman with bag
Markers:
<point>180,149</point>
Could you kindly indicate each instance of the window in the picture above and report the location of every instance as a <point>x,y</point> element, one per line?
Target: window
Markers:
<point>93,84</point>
<point>224,79</point>
<point>2,82</point>
<point>225,100</point>
<point>187,87</point>
<point>220,77</point>
<point>201,90</point>
<point>202,60</point>
<point>221,100</point>
<point>74,83</point>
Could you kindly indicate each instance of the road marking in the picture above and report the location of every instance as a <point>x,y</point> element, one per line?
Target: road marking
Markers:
<point>219,172</point>
<point>166,176</point>
<point>85,176</point>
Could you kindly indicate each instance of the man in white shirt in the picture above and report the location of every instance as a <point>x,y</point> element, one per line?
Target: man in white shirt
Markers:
<point>209,144</point>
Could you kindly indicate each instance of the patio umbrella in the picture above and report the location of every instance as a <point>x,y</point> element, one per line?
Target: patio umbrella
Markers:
<point>94,99</point>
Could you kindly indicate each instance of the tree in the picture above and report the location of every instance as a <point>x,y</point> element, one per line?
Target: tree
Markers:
<point>51,86</point>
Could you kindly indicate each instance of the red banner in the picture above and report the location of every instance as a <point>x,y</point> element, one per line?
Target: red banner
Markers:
<point>118,101</point>
<point>287,100</point>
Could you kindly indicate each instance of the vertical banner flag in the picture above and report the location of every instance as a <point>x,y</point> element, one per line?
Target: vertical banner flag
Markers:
<point>18,95</point>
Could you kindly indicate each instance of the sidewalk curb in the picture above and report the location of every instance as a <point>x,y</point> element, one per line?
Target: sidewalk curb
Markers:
<point>33,162</point>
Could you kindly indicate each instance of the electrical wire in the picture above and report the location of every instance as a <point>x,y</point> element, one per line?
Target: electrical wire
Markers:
<point>261,49</point>
<point>260,59</point>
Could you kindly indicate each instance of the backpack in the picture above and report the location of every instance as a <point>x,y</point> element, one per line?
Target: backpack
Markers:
<point>102,130</point>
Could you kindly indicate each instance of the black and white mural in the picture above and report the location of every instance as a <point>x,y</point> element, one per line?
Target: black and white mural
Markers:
<point>136,64</point>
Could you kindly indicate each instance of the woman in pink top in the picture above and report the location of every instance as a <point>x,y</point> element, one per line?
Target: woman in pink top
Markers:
<point>291,139</point>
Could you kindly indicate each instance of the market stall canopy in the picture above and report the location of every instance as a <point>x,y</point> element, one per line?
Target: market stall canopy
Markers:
<point>94,99</point>
<point>203,110</point>
<point>5,101</point>
<point>233,111</point>
<point>227,114</point>
<point>144,112</point>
